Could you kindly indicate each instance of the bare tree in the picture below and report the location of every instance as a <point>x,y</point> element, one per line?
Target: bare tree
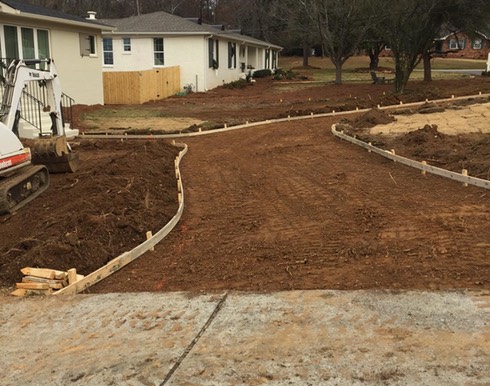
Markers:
<point>342,25</point>
<point>410,27</point>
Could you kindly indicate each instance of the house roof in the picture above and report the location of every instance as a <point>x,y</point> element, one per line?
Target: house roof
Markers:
<point>448,30</point>
<point>156,22</point>
<point>41,12</point>
<point>166,23</point>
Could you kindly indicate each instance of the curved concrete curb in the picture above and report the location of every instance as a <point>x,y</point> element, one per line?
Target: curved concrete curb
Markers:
<point>127,257</point>
<point>415,164</point>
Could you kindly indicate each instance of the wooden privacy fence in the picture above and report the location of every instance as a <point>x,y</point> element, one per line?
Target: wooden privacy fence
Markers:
<point>136,87</point>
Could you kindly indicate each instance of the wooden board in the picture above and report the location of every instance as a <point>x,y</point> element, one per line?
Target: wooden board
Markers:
<point>44,273</point>
<point>33,286</point>
<point>55,284</point>
<point>20,292</point>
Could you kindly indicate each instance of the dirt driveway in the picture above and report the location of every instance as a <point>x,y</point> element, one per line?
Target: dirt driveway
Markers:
<point>270,208</point>
<point>288,206</point>
<point>277,207</point>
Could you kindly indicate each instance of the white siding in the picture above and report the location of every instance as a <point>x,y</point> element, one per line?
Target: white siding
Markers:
<point>81,77</point>
<point>188,52</point>
<point>223,74</point>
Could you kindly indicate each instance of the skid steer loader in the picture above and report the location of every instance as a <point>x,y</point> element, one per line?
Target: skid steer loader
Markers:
<point>25,163</point>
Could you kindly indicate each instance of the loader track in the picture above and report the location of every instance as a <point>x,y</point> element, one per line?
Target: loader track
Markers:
<point>18,191</point>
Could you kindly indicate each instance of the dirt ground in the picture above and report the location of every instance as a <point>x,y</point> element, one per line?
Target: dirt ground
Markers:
<point>272,208</point>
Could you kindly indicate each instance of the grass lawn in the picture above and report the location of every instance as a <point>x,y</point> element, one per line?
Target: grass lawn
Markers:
<point>323,70</point>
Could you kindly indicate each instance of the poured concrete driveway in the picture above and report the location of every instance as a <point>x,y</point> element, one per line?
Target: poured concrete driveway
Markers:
<point>286,338</point>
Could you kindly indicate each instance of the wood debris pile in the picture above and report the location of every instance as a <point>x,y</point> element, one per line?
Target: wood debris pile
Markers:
<point>44,281</point>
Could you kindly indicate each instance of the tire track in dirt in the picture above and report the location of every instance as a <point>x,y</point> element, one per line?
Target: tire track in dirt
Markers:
<point>291,207</point>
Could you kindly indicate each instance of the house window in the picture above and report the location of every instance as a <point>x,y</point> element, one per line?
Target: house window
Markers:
<point>267,58</point>
<point>25,43</point>
<point>108,52</point>
<point>477,44</point>
<point>91,39</point>
<point>28,51</point>
<point>231,55</point>
<point>274,59</point>
<point>158,51</point>
<point>458,44</point>
<point>88,46</point>
<point>11,42</point>
<point>126,44</point>
<point>213,53</point>
<point>42,44</point>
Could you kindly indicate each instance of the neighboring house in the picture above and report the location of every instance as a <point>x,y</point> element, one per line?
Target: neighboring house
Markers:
<point>31,32</point>
<point>460,45</point>
<point>207,56</point>
<point>451,43</point>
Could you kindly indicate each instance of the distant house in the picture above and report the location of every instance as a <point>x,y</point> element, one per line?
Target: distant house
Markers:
<point>461,45</point>
<point>452,43</point>
<point>207,56</point>
<point>31,32</point>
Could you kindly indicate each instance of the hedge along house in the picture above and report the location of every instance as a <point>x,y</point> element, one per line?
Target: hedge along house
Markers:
<point>31,32</point>
<point>199,57</point>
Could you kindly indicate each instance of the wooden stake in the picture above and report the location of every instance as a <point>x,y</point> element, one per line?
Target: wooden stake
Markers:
<point>464,172</point>
<point>72,276</point>
<point>424,172</point>
<point>149,235</point>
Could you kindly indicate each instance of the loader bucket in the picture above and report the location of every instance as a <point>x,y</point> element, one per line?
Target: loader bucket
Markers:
<point>54,153</point>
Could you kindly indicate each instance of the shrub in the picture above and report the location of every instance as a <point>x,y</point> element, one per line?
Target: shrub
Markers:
<point>262,73</point>
<point>289,74</point>
<point>240,83</point>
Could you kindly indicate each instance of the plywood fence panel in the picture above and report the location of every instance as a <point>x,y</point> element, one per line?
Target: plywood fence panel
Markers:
<point>136,87</point>
<point>121,87</point>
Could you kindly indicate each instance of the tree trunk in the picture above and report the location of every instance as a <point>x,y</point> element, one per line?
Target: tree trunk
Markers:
<point>427,67</point>
<point>338,73</point>
<point>306,54</point>
<point>373,60</point>
<point>402,73</point>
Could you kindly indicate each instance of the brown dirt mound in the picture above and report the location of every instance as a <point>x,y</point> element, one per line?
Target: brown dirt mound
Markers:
<point>372,118</point>
<point>451,152</point>
<point>85,219</point>
<point>426,135</point>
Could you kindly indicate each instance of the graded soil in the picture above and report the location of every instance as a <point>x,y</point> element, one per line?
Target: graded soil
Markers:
<point>276,207</point>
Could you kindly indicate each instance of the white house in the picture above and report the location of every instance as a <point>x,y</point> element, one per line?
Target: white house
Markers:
<point>31,32</point>
<point>207,56</point>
